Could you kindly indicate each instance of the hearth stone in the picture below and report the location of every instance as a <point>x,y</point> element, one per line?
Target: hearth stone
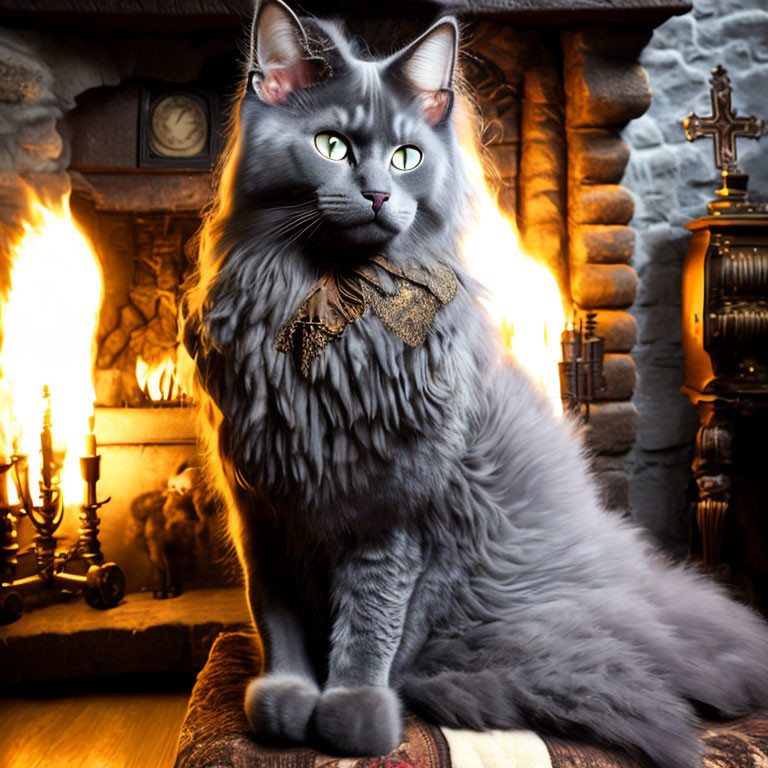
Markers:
<point>141,636</point>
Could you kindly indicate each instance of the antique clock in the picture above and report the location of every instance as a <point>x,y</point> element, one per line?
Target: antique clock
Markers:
<point>179,128</point>
<point>725,313</point>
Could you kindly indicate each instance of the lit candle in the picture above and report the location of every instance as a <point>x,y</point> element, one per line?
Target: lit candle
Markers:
<point>90,438</point>
<point>6,421</point>
<point>4,487</point>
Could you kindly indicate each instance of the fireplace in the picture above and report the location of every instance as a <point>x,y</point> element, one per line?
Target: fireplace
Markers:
<point>86,99</point>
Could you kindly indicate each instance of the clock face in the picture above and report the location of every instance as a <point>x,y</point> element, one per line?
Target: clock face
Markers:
<point>179,126</point>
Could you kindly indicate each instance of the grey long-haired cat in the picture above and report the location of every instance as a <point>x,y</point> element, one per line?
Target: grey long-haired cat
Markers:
<point>414,525</point>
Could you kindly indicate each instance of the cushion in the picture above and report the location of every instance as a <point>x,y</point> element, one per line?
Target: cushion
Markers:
<point>215,733</point>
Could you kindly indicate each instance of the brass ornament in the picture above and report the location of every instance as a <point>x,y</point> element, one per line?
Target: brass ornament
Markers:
<point>406,304</point>
<point>724,127</point>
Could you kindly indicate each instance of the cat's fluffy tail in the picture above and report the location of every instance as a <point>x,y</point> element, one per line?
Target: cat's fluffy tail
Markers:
<point>621,666</point>
<point>628,709</point>
<point>711,649</point>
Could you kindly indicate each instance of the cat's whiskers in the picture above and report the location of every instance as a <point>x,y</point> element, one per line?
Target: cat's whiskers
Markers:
<point>305,204</point>
<point>306,229</point>
<point>289,230</point>
<point>285,227</point>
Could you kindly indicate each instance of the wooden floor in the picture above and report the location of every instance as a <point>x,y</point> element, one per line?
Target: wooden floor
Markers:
<point>91,730</point>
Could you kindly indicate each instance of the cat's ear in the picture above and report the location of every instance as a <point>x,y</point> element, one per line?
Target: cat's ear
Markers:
<point>279,58</point>
<point>427,67</point>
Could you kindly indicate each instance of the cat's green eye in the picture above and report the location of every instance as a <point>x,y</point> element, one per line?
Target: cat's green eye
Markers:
<point>406,158</point>
<point>331,145</point>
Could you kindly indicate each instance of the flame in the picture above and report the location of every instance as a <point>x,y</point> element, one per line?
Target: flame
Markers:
<point>159,381</point>
<point>49,324</point>
<point>522,297</point>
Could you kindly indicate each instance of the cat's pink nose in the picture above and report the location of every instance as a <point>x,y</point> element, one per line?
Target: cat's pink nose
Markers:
<point>378,199</point>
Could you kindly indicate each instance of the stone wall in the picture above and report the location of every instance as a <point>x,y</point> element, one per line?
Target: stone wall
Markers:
<point>672,181</point>
<point>40,76</point>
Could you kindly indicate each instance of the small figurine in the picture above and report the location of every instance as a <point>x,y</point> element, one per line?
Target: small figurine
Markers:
<point>173,527</point>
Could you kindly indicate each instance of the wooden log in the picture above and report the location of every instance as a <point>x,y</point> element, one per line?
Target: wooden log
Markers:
<point>619,40</point>
<point>612,427</point>
<point>601,244</point>
<point>618,328</point>
<point>620,377</point>
<point>605,87</point>
<point>542,183</point>
<point>608,286</point>
<point>612,481</point>
<point>596,156</point>
<point>601,90</point>
<point>494,67</point>
<point>506,159</point>
<point>600,204</point>
<point>505,46</point>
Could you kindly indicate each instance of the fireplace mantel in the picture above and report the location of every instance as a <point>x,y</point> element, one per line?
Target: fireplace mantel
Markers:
<point>201,13</point>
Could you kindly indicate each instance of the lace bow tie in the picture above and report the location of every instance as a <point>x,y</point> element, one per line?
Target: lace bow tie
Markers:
<point>406,305</point>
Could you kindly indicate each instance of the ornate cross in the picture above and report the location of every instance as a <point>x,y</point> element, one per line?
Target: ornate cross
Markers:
<point>723,125</point>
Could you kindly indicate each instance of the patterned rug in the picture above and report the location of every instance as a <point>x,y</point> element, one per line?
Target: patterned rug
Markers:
<point>215,734</point>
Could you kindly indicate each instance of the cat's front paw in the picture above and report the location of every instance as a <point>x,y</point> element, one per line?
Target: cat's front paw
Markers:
<point>279,707</point>
<point>359,721</point>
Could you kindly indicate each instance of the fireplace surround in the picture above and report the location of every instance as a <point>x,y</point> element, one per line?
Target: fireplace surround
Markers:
<point>555,82</point>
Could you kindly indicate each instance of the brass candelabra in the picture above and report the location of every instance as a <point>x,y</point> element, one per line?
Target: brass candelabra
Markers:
<point>103,584</point>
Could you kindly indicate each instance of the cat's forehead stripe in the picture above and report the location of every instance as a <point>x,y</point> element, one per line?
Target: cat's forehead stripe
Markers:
<point>341,115</point>
<point>369,77</point>
<point>371,87</point>
<point>373,117</point>
<point>402,125</point>
<point>358,117</point>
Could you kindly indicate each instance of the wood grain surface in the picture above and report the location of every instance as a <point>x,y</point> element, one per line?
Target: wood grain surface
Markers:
<point>91,730</point>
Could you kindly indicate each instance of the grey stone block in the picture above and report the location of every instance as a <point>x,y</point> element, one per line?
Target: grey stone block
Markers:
<point>662,244</point>
<point>643,133</point>
<point>667,418</point>
<point>658,323</point>
<point>696,166</point>
<point>733,23</point>
<point>658,496</point>
<point>679,34</point>
<point>660,285</point>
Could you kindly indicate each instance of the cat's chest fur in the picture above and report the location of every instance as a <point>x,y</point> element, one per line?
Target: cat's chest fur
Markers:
<point>373,419</point>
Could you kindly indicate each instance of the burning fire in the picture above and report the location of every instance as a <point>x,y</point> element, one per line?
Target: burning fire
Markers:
<point>159,381</point>
<point>522,295</point>
<point>49,324</point>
